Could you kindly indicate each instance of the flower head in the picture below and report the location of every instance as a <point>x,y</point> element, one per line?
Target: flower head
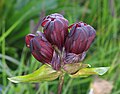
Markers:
<point>80,38</point>
<point>55,29</point>
<point>56,46</point>
<point>61,50</point>
<point>40,48</point>
<point>78,41</point>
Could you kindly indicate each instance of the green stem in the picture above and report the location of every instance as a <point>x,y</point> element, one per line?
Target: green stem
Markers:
<point>60,86</point>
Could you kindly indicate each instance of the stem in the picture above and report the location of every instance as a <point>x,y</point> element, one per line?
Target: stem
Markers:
<point>61,81</point>
<point>57,50</point>
<point>61,78</point>
<point>60,54</point>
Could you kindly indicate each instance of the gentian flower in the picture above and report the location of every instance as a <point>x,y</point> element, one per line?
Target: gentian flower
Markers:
<point>55,29</point>
<point>60,51</point>
<point>40,48</point>
<point>78,42</point>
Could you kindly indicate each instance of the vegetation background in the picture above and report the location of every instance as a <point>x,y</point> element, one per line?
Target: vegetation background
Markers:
<point>18,18</point>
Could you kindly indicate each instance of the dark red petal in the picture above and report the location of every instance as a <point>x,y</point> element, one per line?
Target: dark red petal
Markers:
<point>55,61</point>
<point>50,27</point>
<point>77,33</point>
<point>74,58</point>
<point>58,25</point>
<point>40,57</point>
<point>92,34</point>
<point>44,23</point>
<point>28,38</point>
<point>72,31</point>
<point>71,26</point>
<point>34,45</point>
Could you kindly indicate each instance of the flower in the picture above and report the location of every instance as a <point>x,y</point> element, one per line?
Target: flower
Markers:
<point>78,41</point>
<point>40,48</point>
<point>55,29</point>
<point>61,50</point>
<point>56,46</point>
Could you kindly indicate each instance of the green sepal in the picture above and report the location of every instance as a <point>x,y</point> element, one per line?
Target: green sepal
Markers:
<point>90,71</point>
<point>44,73</point>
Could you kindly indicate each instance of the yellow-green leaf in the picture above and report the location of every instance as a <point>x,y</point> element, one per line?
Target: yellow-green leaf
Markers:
<point>74,67</point>
<point>44,73</point>
<point>90,71</point>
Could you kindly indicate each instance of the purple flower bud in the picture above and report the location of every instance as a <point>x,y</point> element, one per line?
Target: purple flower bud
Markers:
<point>80,38</point>
<point>40,48</point>
<point>55,29</point>
<point>78,41</point>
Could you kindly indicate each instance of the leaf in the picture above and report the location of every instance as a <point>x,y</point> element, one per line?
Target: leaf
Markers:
<point>44,73</point>
<point>90,71</point>
<point>74,67</point>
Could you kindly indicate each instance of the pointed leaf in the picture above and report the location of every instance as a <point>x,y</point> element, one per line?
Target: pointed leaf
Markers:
<point>90,71</point>
<point>44,73</point>
<point>74,67</point>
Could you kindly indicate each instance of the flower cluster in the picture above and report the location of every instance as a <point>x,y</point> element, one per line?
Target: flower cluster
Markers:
<point>57,46</point>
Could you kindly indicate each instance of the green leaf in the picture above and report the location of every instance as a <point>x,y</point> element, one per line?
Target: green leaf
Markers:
<point>44,73</point>
<point>90,71</point>
<point>74,67</point>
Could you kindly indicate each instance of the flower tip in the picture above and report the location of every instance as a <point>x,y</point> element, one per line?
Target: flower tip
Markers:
<point>70,26</point>
<point>28,38</point>
<point>28,46</point>
<point>44,23</point>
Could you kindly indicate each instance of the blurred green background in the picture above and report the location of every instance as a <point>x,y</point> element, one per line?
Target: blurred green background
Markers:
<point>18,18</point>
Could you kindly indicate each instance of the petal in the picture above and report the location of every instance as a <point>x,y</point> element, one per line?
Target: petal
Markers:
<point>28,38</point>
<point>72,31</point>
<point>58,25</point>
<point>34,45</point>
<point>55,61</point>
<point>44,23</point>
